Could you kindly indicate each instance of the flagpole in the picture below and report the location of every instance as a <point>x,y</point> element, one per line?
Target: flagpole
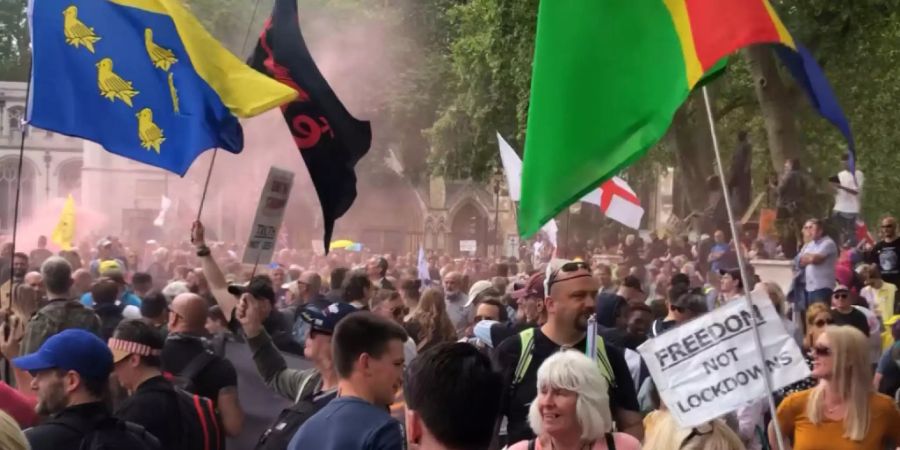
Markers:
<point>19,179</point>
<point>742,265</point>
<point>6,366</point>
<point>216,150</point>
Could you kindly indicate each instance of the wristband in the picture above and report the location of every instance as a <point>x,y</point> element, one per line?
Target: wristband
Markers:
<point>203,251</point>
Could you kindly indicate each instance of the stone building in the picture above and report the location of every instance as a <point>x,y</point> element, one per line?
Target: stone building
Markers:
<point>52,164</point>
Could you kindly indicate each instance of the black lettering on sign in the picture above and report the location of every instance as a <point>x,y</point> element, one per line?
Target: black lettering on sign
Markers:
<point>264,232</point>
<point>723,359</point>
<point>705,338</point>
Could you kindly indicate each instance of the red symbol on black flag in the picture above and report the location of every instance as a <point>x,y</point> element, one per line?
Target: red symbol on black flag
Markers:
<point>331,140</point>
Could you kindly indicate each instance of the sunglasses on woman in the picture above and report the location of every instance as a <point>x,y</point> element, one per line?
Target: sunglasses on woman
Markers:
<point>820,351</point>
<point>822,322</point>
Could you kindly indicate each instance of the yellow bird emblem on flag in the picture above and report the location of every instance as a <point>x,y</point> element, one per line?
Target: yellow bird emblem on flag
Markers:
<point>111,85</point>
<point>76,32</point>
<point>150,134</point>
<point>162,58</point>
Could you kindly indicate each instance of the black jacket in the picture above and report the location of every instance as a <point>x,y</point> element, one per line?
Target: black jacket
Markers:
<point>53,435</point>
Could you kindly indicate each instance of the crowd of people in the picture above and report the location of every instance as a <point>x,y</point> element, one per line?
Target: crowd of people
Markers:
<point>123,347</point>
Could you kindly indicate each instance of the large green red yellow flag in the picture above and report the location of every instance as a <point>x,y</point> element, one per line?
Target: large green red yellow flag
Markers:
<point>608,78</point>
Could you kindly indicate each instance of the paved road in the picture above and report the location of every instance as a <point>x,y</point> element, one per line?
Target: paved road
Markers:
<point>261,406</point>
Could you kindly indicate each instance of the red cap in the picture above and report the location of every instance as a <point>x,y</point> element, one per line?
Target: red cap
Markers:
<point>533,288</point>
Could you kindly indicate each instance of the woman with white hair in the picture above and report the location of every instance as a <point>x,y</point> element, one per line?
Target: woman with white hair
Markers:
<point>571,410</point>
<point>843,412</point>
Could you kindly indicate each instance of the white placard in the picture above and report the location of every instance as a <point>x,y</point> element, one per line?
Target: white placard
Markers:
<point>709,366</point>
<point>269,212</point>
<point>470,246</point>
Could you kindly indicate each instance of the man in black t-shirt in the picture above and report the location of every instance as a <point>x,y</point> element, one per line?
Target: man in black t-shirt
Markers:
<point>886,253</point>
<point>570,299</point>
<point>218,379</point>
<point>843,312</point>
<point>153,403</point>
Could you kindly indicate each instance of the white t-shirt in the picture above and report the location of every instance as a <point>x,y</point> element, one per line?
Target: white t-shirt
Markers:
<point>844,201</point>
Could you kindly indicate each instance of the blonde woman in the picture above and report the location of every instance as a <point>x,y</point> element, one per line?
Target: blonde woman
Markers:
<point>11,436</point>
<point>429,324</point>
<point>843,412</point>
<point>667,435</point>
<point>571,410</point>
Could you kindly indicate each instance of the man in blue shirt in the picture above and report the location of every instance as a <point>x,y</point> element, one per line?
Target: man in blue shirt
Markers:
<point>817,260</point>
<point>368,358</point>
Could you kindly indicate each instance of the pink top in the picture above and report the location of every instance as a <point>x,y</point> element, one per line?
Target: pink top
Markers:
<point>18,406</point>
<point>623,442</point>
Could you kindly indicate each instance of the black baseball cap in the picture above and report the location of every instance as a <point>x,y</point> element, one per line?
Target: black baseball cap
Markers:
<point>259,286</point>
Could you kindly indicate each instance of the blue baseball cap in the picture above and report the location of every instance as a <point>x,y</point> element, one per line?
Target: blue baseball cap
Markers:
<point>326,320</point>
<point>72,349</point>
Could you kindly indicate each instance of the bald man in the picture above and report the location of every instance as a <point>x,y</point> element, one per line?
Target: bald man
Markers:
<point>186,355</point>
<point>81,282</point>
<point>36,281</point>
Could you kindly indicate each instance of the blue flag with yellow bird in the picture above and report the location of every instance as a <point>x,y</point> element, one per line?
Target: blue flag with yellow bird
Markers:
<point>142,78</point>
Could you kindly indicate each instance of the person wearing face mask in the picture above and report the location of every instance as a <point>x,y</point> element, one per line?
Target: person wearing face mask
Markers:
<point>843,412</point>
<point>571,409</point>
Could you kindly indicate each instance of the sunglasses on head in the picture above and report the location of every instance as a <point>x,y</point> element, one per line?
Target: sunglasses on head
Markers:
<point>822,322</point>
<point>568,267</point>
<point>821,351</point>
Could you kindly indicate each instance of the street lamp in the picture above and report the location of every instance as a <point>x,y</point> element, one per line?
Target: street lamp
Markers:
<point>498,183</point>
<point>47,159</point>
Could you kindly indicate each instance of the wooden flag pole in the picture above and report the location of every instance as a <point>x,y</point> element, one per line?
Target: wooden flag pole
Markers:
<point>742,264</point>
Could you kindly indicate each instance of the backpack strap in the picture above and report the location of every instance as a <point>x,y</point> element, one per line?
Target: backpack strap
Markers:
<point>526,350</point>
<point>610,441</point>
<point>303,384</point>
<point>197,365</point>
<point>532,444</point>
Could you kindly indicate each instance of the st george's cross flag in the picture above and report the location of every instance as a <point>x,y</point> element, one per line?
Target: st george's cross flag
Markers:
<point>617,201</point>
<point>615,197</point>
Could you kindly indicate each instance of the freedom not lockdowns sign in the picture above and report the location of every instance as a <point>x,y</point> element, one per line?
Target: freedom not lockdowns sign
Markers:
<point>710,366</point>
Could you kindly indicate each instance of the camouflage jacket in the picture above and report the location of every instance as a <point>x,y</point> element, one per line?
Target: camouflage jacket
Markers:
<point>57,316</point>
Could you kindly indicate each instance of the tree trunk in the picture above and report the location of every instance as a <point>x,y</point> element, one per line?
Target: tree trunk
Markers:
<point>693,151</point>
<point>776,105</point>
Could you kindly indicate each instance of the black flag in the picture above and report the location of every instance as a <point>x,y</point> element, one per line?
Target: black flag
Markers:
<point>330,139</point>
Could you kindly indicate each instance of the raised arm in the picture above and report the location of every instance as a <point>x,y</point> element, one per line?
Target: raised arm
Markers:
<point>217,284</point>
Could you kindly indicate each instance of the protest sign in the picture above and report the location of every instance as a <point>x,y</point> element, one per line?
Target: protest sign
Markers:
<point>710,366</point>
<point>269,212</point>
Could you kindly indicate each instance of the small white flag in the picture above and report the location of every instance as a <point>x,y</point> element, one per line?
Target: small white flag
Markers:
<point>422,267</point>
<point>164,206</point>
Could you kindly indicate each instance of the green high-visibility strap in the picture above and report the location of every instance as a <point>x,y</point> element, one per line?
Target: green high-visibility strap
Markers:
<point>526,350</point>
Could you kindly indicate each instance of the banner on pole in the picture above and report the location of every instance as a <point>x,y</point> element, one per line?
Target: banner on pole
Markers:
<point>269,212</point>
<point>710,366</point>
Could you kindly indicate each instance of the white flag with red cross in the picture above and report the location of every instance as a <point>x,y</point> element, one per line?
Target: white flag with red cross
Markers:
<point>617,201</point>
<point>615,197</point>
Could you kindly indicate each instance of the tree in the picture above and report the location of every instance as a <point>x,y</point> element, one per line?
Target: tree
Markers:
<point>15,57</point>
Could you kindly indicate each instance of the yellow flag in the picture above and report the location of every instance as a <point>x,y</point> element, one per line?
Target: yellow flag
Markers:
<point>64,233</point>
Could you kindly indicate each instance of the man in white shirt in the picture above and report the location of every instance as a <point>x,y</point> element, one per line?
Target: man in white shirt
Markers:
<point>847,201</point>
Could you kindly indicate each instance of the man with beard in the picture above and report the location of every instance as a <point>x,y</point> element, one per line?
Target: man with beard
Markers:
<point>71,372</point>
<point>456,300</point>
<point>570,300</point>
